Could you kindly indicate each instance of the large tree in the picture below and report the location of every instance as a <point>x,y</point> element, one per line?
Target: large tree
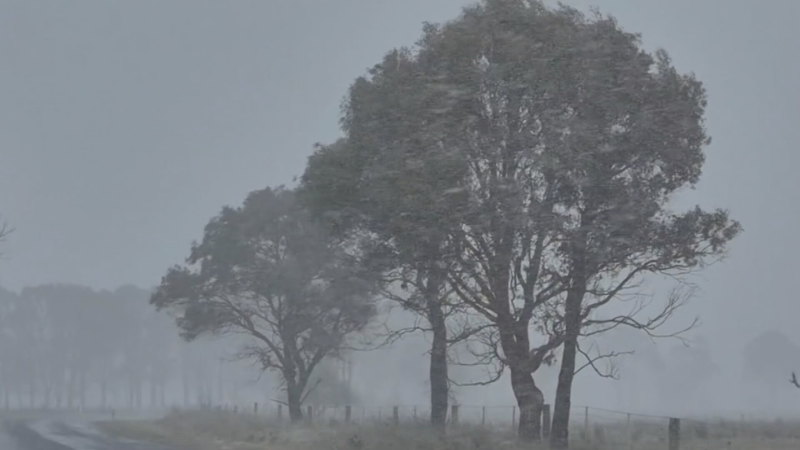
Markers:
<point>266,270</point>
<point>558,143</point>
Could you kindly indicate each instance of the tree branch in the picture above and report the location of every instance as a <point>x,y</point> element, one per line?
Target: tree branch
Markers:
<point>591,361</point>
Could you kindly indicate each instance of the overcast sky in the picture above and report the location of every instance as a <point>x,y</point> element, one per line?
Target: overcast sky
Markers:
<point>126,125</point>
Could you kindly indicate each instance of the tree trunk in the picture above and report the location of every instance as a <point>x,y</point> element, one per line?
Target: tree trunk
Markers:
<point>530,402</point>
<point>438,368</point>
<point>294,394</point>
<point>559,433</point>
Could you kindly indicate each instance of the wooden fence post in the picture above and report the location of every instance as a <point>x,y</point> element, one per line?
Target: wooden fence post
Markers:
<point>309,413</point>
<point>483,416</point>
<point>347,414</point>
<point>454,414</point>
<point>396,415</point>
<point>546,421</point>
<point>280,412</point>
<point>586,433</point>
<point>415,414</point>
<point>674,434</point>
<point>255,408</point>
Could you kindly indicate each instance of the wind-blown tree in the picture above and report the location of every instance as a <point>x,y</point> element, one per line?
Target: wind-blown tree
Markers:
<point>371,183</point>
<point>632,135</point>
<point>267,271</point>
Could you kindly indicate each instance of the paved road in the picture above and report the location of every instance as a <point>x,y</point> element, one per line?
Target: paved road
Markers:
<point>61,434</point>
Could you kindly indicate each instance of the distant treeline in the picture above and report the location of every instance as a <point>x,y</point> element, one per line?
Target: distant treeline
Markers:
<point>68,346</point>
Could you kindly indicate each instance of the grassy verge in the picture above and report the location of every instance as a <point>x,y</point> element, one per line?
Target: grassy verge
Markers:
<point>224,431</point>
<point>221,431</point>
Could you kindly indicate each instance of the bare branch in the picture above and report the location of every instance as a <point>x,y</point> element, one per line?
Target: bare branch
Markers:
<point>591,361</point>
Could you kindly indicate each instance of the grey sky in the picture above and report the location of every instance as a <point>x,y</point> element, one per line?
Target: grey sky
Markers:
<point>125,125</point>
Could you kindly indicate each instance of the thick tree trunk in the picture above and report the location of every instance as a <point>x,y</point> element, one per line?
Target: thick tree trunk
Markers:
<point>438,368</point>
<point>294,396</point>
<point>530,402</point>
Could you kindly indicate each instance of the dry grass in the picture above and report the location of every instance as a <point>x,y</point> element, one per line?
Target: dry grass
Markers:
<point>224,431</point>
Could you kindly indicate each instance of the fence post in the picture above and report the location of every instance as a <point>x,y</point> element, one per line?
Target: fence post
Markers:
<point>546,421</point>
<point>280,412</point>
<point>396,415</point>
<point>586,433</point>
<point>628,431</point>
<point>347,414</point>
<point>674,434</point>
<point>255,408</point>
<point>309,413</point>
<point>483,416</point>
<point>415,414</point>
<point>454,414</point>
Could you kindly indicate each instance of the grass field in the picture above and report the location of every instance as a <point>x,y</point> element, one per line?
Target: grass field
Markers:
<point>211,430</point>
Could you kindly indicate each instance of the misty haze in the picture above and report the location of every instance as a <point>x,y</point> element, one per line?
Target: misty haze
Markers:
<point>357,225</point>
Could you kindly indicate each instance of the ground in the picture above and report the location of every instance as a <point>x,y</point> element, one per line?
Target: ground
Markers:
<point>211,430</point>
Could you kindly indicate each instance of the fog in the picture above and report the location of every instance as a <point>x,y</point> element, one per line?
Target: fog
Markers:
<point>125,126</point>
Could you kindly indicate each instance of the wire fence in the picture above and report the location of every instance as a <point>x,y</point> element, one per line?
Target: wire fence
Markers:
<point>602,427</point>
